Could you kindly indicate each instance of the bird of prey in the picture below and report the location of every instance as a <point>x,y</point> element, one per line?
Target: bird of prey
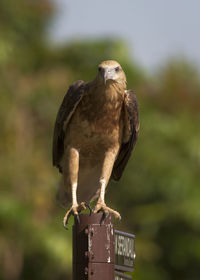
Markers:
<point>95,131</point>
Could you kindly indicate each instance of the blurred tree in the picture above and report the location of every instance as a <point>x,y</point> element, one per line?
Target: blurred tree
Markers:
<point>179,81</point>
<point>22,31</point>
<point>159,192</point>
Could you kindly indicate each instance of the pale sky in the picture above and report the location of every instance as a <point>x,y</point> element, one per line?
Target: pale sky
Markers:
<point>155,30</point>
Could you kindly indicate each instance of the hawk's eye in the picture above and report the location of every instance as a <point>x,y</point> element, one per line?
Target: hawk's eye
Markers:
<point>100,68</point>
<point>117,69</point>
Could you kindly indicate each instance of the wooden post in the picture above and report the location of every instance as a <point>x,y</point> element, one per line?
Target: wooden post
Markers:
<point>93,248</point>
<point>100,252</point>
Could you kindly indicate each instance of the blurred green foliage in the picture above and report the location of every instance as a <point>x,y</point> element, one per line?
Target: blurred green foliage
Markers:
<point>159,194</point>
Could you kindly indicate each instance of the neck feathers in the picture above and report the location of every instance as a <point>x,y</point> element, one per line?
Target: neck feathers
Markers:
<point>112,90</point>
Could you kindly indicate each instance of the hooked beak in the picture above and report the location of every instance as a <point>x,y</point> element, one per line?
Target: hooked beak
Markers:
<point>107,75</point>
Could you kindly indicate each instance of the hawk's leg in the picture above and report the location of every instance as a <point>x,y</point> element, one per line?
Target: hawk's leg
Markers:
<point>73,168</point>
<point>105,176</point>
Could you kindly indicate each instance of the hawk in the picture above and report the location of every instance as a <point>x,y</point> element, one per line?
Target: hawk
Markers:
<point>95,131</point>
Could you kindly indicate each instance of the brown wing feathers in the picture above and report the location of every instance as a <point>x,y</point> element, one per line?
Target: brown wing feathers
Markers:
<point>131,107</point>
<point>67,108</point>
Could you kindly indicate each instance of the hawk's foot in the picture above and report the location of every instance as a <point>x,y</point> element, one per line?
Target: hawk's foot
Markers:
<point>87,205</point>
<point>74,210</point>
<point>100,206</point>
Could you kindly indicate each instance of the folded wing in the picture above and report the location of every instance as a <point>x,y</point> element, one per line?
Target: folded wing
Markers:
<point>131,129</point>
<point>67,108</point>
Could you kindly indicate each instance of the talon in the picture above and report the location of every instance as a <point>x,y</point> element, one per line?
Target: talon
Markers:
<point>77,218</point>
<point>65,225</point>
<point>73,210</point>
<point>119,218</point>
<point>89,207</point>
<point>106,215</point>
<point>66,218</point>
<point>106,210</point>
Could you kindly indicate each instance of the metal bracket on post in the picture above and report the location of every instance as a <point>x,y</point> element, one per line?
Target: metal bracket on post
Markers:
<point>99,252</point>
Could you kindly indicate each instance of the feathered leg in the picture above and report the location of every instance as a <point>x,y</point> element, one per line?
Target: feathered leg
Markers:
<point>108,163</point>
<point>73,168</point>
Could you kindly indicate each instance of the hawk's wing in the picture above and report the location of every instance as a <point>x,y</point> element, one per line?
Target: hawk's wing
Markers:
<point>67,108</point>
<point>131,124</point>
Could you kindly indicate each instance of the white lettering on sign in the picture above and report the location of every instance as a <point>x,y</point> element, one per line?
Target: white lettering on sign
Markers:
<point>119,277</point>
<point>124,246</point>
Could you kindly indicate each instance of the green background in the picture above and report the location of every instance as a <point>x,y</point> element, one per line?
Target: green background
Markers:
<point>159,194</point>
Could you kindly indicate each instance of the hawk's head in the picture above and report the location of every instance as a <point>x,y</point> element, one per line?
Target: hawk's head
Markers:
<point>110,70</point>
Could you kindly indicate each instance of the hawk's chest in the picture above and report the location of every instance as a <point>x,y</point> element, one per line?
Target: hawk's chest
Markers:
<point>96,125</point>
<point>102,114</point>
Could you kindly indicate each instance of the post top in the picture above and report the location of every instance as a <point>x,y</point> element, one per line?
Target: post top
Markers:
<point>98,219</point>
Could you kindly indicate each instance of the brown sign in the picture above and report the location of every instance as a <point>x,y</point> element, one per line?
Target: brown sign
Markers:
<point>121,276</point>
<point>124,251</point>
